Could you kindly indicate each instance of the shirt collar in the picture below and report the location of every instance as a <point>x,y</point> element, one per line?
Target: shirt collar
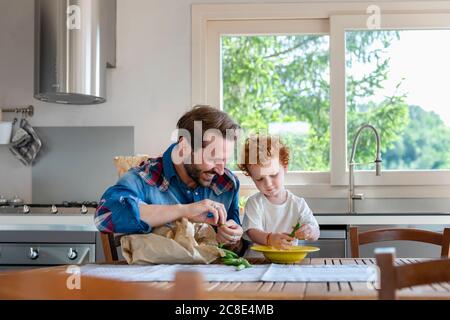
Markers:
<point>223,183</point>
<point>220,184</point>
<point>169,169</point>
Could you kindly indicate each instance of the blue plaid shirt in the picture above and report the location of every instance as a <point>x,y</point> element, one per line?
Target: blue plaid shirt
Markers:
<point>155,181</point>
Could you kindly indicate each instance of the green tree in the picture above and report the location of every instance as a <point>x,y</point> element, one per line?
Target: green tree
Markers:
<point>425,143</point>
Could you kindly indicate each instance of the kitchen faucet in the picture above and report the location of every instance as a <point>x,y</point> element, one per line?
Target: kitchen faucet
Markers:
<point>351,166</point>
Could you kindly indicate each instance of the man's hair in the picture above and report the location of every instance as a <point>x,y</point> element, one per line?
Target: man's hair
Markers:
<point>260,149</point>
<point>210,118</point>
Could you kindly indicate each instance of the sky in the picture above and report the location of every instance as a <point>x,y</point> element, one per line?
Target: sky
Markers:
<point>422,58</point>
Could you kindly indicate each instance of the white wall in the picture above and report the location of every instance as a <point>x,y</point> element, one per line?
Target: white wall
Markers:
<point>149,89</point>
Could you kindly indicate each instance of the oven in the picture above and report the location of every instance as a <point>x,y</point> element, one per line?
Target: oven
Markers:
<point>21,249</point>
<point>24,246</point>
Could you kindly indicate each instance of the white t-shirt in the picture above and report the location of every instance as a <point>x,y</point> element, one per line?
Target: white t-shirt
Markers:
<point>268,217</point>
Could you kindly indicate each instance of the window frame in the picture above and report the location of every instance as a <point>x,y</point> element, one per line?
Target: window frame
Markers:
<point>209,22</point>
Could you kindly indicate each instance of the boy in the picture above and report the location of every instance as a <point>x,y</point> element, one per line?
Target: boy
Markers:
<point>271,214</point>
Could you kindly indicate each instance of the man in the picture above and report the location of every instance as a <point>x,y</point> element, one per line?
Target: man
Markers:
<point>190,180</point>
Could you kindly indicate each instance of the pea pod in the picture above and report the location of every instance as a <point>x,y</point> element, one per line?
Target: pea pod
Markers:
<point>240,267</point>
<point>229,256</point>
<point>232,259</point>
<point>247,264</point>
<point>230,253</point>
<point>233,262</point>
<point>294,229</point>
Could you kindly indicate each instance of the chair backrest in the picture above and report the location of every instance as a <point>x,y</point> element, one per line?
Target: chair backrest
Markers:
<point>110,243</point>
<point>394,277</point>
<point>379,235</point>
<point>53,284</point>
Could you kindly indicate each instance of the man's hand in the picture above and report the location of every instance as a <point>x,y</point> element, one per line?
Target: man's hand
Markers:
<point>229,233</point>
<point>199,211</point>
<point>308,232</point>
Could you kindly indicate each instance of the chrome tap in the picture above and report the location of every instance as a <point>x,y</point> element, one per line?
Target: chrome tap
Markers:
<point>351,166</point>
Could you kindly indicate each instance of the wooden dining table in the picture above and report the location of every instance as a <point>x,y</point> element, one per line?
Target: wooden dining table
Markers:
<point>297,290</point>
<point>322,290</point>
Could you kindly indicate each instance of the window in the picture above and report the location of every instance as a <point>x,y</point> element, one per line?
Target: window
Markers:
<point>398,80</point>
<point>384,86</point>
<point>314,74</point>
<point>280,85</point>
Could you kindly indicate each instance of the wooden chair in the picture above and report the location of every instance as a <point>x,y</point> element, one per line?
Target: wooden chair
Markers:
<point>55,284</point>
<point>379,235</point>
<point>110,243</point>
<point>397,277</point>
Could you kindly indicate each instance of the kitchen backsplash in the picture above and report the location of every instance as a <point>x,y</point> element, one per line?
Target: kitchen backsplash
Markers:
<point>76,163</point>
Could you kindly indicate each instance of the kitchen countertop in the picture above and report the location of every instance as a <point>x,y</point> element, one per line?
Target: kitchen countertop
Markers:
<point>383,218</point>
<point>86,222</point>
<point>47,222</point>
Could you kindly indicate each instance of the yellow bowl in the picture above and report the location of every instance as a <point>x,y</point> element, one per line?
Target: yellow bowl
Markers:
<point>292,255</point>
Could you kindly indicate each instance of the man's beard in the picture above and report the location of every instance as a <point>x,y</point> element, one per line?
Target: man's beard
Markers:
<point>195,173</point>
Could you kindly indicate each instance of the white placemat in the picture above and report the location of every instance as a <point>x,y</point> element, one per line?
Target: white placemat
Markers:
<point>213,272</point>
<point>320,273</point>
<point>268,273</point>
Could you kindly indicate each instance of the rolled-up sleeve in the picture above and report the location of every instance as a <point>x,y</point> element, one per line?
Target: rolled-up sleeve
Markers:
<point>252,217</point>
<point>118,210</point>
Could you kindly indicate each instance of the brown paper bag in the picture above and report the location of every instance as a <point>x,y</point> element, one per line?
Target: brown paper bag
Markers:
<point>185,243</point>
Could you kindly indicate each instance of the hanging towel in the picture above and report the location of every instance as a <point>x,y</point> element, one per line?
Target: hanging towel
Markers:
<point>26,144</point>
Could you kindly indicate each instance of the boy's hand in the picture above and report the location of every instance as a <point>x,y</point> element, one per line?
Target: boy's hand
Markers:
<point>280,241</point>
<point>308,232</point>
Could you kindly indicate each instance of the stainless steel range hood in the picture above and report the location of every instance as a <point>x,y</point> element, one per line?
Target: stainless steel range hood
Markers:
<point>75,41</point>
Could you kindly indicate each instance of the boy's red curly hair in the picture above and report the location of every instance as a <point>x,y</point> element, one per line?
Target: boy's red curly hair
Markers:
<point>264,149</point>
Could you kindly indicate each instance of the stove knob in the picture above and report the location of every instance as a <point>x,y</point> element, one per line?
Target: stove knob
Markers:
<point>26,209</point>
<point>34,254</point>
<point>3,201</point>
<point>84,209</point>
<point>54,209</point>
<point>16,201</point>
<point>73,254</point>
